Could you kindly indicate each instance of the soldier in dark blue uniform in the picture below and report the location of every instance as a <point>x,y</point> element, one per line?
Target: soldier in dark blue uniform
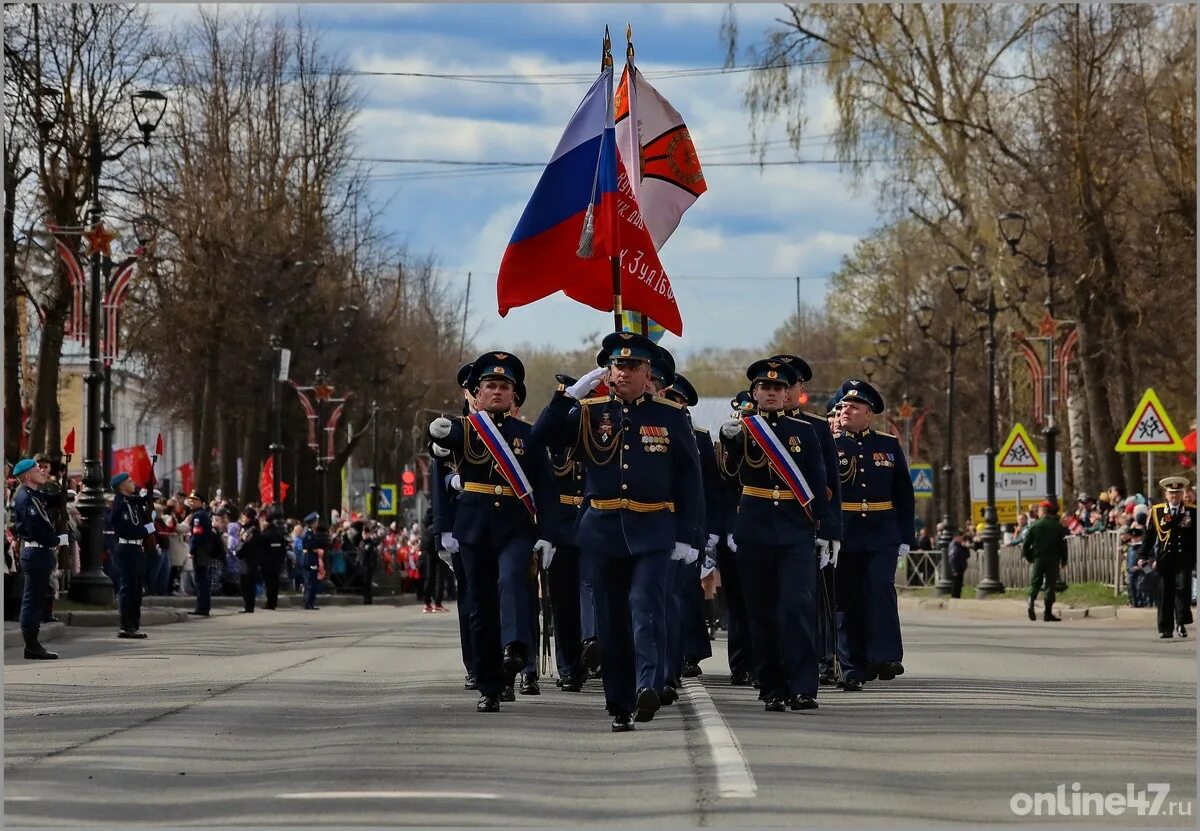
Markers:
<point>826,629</point>
<point>691,645</point>
<point>778,536</point>
<point>729,492</point>
<point>38,541</point>
<point>131,527</point>
<point>877,518</point>
<point>497,531</point>
<point>314,541</point>
<point>202,545</point>
<point>641,509</point>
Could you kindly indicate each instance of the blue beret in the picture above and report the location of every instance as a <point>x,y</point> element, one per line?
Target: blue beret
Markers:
<point>770,369</point>
<point>116,481</point>
<point>626,346</point>
<point>855,389</point>
<point>312,517</point>
<point>682,389</point>
<point>803,370</point>
<point>24,466</point>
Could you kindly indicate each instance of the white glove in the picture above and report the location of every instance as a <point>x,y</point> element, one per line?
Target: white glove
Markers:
<point>823,553</point>
<point>711,544</point>
<point>587,383</point>
<point>449,543</point>
<point>439,451</point>
<point>903,551</point>
<point>692,555</point>
<point>445,557</point>
<point>439,428</point>
<point>681,551</point>
<point>546,550</point>
<point>731,428</point>
<point>730,543</point>
<point>834,548</point>
<point>149,526</point>
<point>456,482</point>
<point>62,539</point>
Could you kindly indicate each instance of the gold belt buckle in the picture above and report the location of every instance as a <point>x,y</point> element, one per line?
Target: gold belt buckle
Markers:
<point>624,503</point>
<point>864,506</point>
<point>775,493</point>
<point>500,490</point>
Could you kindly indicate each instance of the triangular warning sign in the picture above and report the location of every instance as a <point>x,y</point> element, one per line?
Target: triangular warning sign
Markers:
<point>922,482</point>
<point>1018,454</point>
<point>1149,429</point>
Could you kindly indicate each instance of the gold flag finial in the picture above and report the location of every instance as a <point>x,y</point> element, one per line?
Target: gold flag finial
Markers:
<point>606,60</point>
<point>629,42</point>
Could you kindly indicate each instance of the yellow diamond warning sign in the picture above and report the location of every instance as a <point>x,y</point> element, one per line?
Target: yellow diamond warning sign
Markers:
<point>1149,429</point>
<point>1018,454</point>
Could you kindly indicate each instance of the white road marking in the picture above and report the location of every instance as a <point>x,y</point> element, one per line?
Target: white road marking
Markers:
<point>20,799</point>
<point>387,795</point>
<point>734,779</point>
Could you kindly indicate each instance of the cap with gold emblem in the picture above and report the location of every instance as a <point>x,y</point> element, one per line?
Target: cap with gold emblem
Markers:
<point>855,389</point>
<point>803,370</point>
<point>503,365</point>
<point>770,369</point>
<point>626,346</point>
<point>662,366</point>
<point>681,391</point>
<point>1173,483</point>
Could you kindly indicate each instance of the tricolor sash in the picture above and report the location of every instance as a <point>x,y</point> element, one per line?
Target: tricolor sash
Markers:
<point>506,462</point>
<point>780,459</point>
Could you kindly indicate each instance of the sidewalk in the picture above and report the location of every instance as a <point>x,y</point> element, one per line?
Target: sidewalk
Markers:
<point>159,611</point>
<point>1006,608</point>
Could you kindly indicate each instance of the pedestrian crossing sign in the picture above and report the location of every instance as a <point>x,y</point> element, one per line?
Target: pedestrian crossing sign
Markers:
<point>387,500</point>
<point>1149,428</point>
<point>922,479</point>
<point>1018,454</point>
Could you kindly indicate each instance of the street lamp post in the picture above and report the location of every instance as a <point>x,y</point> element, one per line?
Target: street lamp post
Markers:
<point>92,585</point>
<point>374,460</point>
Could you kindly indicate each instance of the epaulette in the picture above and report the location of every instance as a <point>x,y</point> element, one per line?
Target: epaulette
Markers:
<point>1158,505</point>
<point>889,435</point>
<point>600,399</point>
<point>703,430</point>
<point>659,399</point>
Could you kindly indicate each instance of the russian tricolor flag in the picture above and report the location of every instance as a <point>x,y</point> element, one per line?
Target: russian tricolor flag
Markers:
<point>543,255</point>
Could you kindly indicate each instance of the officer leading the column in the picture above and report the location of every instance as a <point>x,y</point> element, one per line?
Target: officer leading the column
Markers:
<point>877,528</point>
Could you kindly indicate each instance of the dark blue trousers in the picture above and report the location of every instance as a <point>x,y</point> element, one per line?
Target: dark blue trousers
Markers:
<point>779,583</point>
<point>629,599</point>
<point>463,607</point>
<point>741,653</point>
<point>588,626</point>
<point>670,651</point>
<point>826,618</point>
<point>693,626</point>
<point>535,628</point>
<point>564,604</point>
<point>37,564</point>
<point>130,560</point>
<point>310,586</point>
<point>498,586</point>
<point>868,621</point>
<point>200,577</point>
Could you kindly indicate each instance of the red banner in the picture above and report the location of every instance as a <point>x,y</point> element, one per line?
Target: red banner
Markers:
<point>187,477</point>
<point>136,462</point>
<point>266,483</point>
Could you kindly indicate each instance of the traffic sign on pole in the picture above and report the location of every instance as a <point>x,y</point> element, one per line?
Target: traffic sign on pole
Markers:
<point>1018,455</point>
<point>387,500</point>
<point>1149,428</point>
<point>922,479</point>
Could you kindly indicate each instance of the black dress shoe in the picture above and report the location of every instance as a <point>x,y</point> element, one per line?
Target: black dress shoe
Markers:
<point>529,684</point>
<point>897,668</point>
<point>51,619</point>
<point>572,683</point>
<point>740,679</point>
<point>1166,635</point>
<point>668,695</point>
<point>883,672</point>
<point>802,702</point>
<point>591,655</point>
<point>488,704</point>
<point>775,705</point>
<point>647,704</point>
<point>852,686</point>
<point>622,723</point>
<point>1181,631</point>
<point>514,659</point>
<point>469,683</point>
<point>1049,617</point>
<point>507,694</point>
<point>691,669</point>
<point>1032,613</point>
<point>133,634</point>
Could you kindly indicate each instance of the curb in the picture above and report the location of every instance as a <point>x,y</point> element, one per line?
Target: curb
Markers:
<point>49,632</point>
<point>1016,609</point>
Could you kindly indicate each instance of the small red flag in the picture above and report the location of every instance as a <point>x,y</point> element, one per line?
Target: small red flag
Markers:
<point>187,477</point>
<point>266,483</point>
<point>158,445</point>
<point>69,443</point>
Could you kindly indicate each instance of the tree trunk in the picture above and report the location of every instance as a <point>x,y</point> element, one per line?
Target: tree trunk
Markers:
<point>1080,469</point>
<point>229,452</point>
<point>1091,365</point>
<point>45,402</point>
<point>205,479</point>
<point>14,356</point>
<point>253,457</point>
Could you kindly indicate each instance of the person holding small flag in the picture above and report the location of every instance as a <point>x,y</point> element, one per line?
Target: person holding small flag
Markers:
<point>498,529</point>
<point>779,535</point>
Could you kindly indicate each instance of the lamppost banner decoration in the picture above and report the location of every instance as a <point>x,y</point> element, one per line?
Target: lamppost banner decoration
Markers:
<point>310,413</point>
<point>76,327</point>
<point>113,298</point>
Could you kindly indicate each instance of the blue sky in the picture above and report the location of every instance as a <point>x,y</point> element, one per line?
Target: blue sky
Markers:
<point>777,223</point>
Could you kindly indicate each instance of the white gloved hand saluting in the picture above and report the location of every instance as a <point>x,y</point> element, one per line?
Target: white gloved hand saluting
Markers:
<point>546,550</point>
<point>730,543</point>
<point>456,482</point>
<point>731,428</point>
<point>439,428</point>
<point>822,553</point>
<point>449,543</point>
<point>587,383</point>
<point>681,551</point>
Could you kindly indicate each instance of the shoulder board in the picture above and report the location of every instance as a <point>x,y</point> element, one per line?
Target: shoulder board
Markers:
<point>660,400</point>
<point>1158,505</point>
<point>889,435</point>
<point>600,399</point>
<point>704,430</point>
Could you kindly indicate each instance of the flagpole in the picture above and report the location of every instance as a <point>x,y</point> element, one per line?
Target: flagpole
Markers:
<point>632,95</point>
<point>606,62</point>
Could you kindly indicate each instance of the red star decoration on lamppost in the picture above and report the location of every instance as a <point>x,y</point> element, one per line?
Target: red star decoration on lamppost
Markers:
<point>100,239</point>
<point>1048,326</point>
<point>323,392</point>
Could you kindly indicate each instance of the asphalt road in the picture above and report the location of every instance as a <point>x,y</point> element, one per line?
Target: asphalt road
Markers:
<point>357,716</point>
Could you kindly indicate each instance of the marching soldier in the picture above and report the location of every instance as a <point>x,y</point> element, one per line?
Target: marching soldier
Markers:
<point>641,510</point>
<point>131,527</point>
<point>779,535</point>
<point>739,641</point>
<point>498,530</point>
<point>826,633</point>
<point>1173,524</point>
<point>877,527</point>
<point>692,644</point>
<point>38,541</point>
